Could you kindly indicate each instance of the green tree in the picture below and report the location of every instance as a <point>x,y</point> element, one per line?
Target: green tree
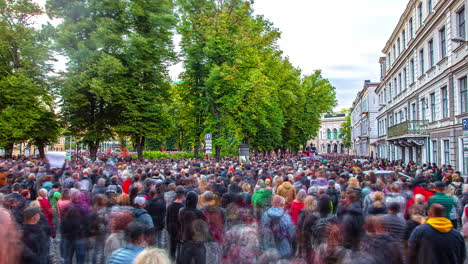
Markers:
<point>25,95</point>
<point>346,130</point>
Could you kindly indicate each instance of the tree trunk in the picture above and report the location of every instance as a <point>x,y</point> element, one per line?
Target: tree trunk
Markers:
<point>139,144</point>
<point>41,147</point>
<point>196,150</point>
<point>218,153</point>
<point>9,150</point>
<point>93,149</point>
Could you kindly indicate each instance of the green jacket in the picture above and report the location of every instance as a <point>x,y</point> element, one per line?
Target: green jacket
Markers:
<point>261,198</point>
<point>443,199</point>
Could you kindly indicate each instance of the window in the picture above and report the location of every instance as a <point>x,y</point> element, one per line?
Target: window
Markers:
<point>400,82</point>
<point>429,6</point>
<point>447,152</point>
<point>401,116</point>
<point>413,110</point>
<point>335,133</point>
<point>434,151</point>
<point>461,23</point>
<point>443,44</point>
<point>385,95</point>
<point>421,61</point>
<point>394,53</point>
<point>423,109</point>
<point>412,71</point>
<point>411,28</point>
<point>328,134</point>
<point>463,94</point>
<point>420,14</point>
<point>405,83</point>
<point>399,46</point>
<point>390,91</point>
<point>433,107</point>
<point>403,38</point>
<point>389,59</point>
<point>406,113</point>
<point>431,52</point>
<point>444,95</point>
<point>395,84</point>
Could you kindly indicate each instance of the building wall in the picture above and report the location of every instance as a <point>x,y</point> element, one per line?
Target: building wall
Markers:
<point>325,144</point>
<point>434,74</point>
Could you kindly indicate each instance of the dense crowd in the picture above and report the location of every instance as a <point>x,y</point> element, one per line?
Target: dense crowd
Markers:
<point>336,209</point>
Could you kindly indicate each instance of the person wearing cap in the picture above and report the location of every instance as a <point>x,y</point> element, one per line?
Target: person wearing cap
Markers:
<point>436,241</point>
<point>440,197</point>
<point>334,194</point>
<point>141,215</point>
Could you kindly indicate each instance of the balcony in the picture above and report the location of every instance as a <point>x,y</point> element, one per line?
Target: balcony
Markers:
<point>408,128</point>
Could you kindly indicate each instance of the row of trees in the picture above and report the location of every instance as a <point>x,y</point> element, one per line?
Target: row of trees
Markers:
<point>235,85</point>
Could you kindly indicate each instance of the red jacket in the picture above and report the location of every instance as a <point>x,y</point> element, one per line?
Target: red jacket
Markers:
<point>126,186</point>
<point>295,210</point>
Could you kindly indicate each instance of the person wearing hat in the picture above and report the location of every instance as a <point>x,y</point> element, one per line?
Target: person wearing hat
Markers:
<point>141,215</point>
<point>334,194</point>
<point>440,197</point>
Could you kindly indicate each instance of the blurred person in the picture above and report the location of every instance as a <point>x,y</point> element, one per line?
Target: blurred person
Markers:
<point>9,250</point>
<point>156,208</point>
<point>191,247</point>
<point>306,222</point>
<point>136,243</point>
<point>46,209</point>
<point>416,218</point>
<point>99,220</point>
<point>378,207</point>
<point>172,220</point>
<point>261,201</point>
<point>352,219</point>
<point>297,206</point>
<point>278,230</point>
<point>436,241</point>
<point>152,256</point>
<point>378,244</point>
<point>241,244</point>
<point>395,196</point>
<point>287,191</point>
<point>440,197</point>
<point>118,223</point>
<point>393,223</point>
<point>334,194</point>
<point>140,213</point>
<point>34,240</point>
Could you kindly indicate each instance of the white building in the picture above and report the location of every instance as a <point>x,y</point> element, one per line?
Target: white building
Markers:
<point>364,114</point>
<point>423,93</point>
<point>329,140</point>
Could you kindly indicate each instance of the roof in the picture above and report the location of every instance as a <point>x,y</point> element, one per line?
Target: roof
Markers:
<point>335,115</point>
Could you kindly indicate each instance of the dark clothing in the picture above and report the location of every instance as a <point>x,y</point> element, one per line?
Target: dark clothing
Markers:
<point>353,225</point>
<point>384,249</point>
<point>429,246</point>
<point>156,208</point>
<point>35,245</point>
<point>172,220</point>
<point>192,252</point>
<point>230,197</point>
<point>335,196</point>
<point>377,210</point>
<point>75,223</point>
<point>394,225</point>
<point>188,215</point>
<point>409,227</point>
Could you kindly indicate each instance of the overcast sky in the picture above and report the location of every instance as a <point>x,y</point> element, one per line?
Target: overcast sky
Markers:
<point>343,38</point>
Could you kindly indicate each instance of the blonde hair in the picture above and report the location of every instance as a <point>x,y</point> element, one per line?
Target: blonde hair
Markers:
<point>378,198</point>
<point>246,188</point>
<point>353,183</point>
<point>152,256</point>
<point>278,201</point>
<point>310,204</point>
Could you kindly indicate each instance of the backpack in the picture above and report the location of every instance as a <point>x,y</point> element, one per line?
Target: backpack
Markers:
<point>458,190</point>
<point>279,232</point>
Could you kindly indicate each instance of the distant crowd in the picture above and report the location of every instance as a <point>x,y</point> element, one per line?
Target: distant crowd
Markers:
<point>335,209</point>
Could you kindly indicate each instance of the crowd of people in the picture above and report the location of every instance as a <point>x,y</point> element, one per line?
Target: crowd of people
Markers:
<point>270,210</point>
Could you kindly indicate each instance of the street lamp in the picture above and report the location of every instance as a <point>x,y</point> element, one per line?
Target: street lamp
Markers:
<point>459,40</point>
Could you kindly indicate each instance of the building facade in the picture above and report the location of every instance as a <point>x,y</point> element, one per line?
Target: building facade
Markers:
<point>364,114</point>
<point>328,139</point>
<point>423,95</point>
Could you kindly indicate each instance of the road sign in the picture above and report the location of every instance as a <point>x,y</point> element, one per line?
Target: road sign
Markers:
<point>208,136</point>
<point>208,143</point>
<point>465,124</point>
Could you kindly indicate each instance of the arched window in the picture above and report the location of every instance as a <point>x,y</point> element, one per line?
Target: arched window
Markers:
<point>328,134</point>
<point>335,133</point>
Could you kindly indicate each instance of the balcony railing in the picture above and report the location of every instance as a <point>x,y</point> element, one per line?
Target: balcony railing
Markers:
<point>412,127</point>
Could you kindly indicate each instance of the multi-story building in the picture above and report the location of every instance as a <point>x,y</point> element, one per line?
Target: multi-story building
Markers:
<point>364,121</point>
<point>423,95</point>
<point>328,139</point>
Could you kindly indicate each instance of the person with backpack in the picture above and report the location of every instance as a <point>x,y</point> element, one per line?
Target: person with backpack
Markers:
<point>333,194</point>
<point>278,230</point>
